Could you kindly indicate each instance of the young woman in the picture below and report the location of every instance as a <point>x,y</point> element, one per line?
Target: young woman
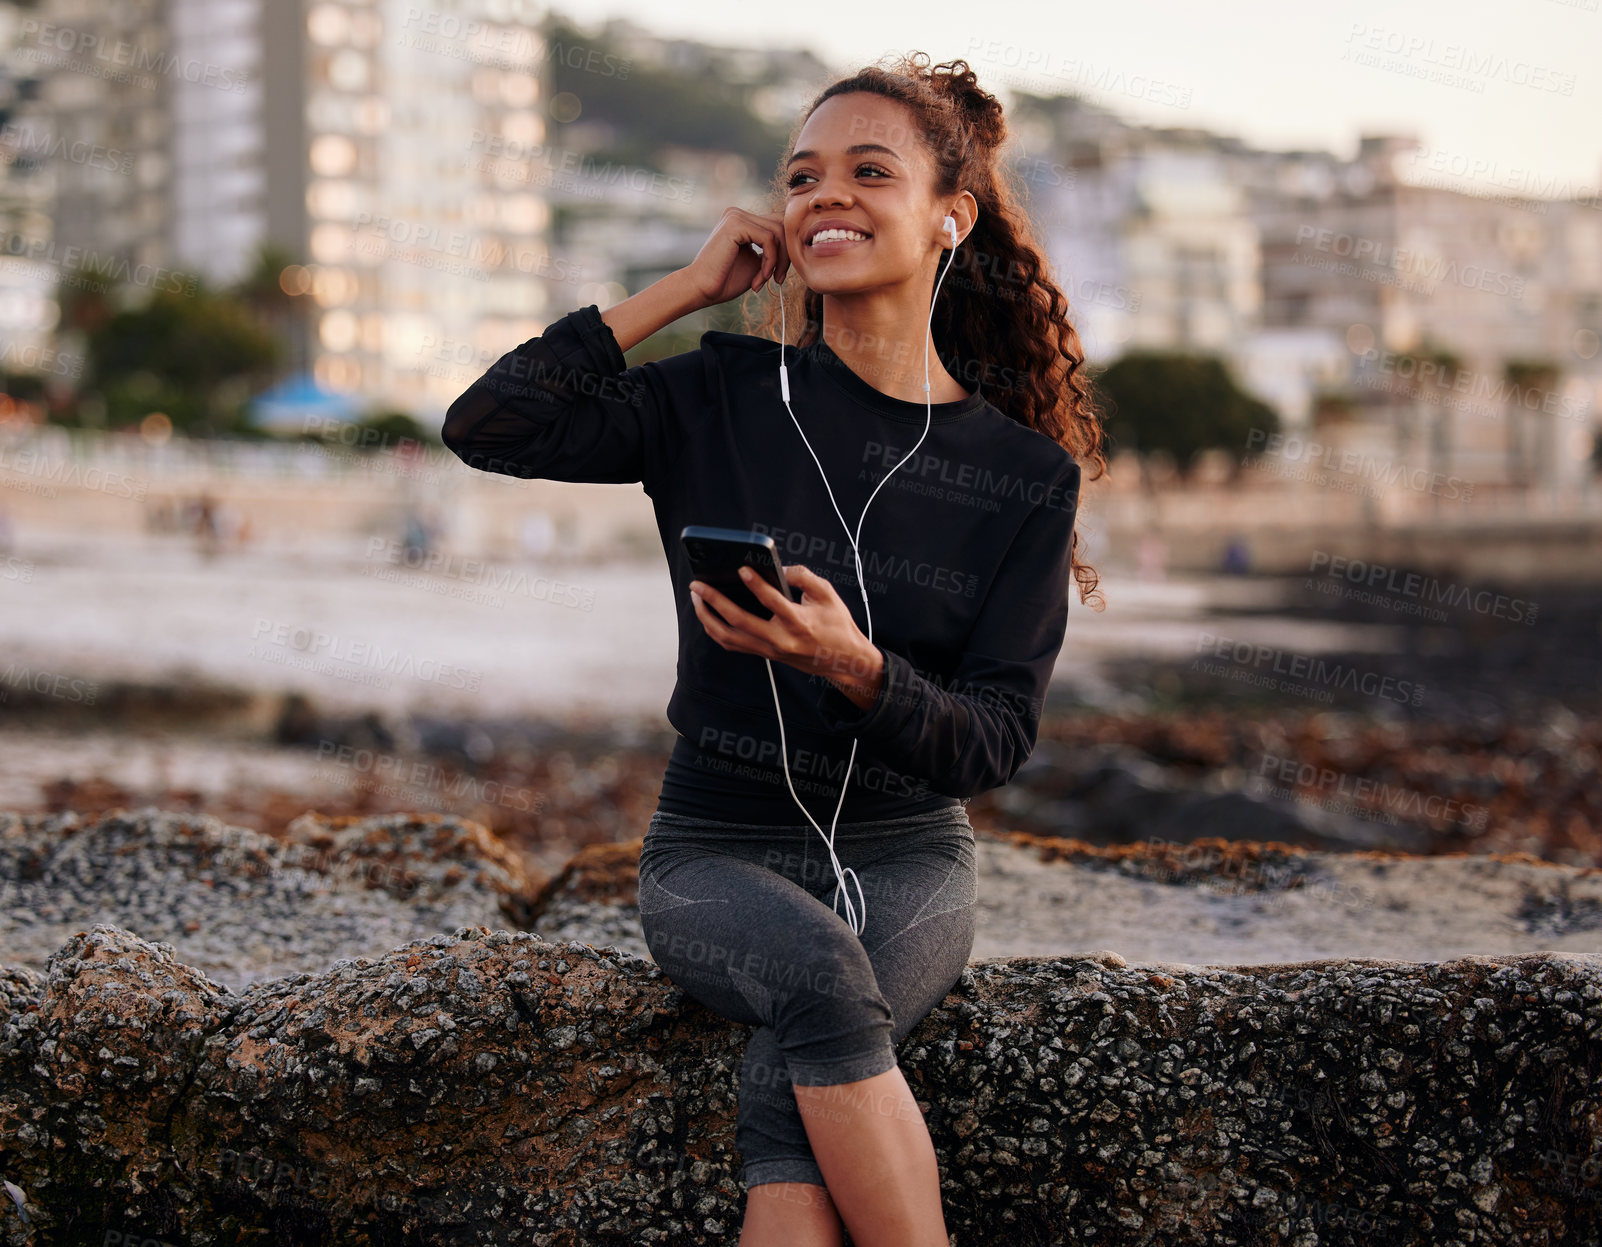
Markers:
<point>927,629</point>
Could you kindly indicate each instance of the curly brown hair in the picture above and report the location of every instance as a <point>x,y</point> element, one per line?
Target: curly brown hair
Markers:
<point>1009,312</point>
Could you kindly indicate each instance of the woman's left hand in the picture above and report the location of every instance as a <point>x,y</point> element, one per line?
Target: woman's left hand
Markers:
<point>816,635</point>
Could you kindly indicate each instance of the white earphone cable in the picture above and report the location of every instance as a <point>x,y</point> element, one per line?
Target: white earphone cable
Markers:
<point>857,924</point>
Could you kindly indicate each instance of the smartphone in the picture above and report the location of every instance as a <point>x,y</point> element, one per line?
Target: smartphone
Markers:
<point>717,554</point>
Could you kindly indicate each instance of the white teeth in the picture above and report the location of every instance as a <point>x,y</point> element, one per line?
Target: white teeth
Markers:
<point>836,235</point>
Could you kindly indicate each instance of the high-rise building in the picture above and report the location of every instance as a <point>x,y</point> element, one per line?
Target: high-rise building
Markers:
<point>28,307</point>
<point>357,136</point>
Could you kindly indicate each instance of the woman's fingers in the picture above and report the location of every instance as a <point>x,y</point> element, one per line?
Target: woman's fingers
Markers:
<point>715,627</point>
<point>770,259</point>
<point>766,593</point>
<point>781,251</point>
<point>734,615</point>
<point>773,252</point>
<point>812,584</point>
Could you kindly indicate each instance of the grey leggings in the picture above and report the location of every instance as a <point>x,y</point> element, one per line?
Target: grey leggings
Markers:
<point>738,915</point>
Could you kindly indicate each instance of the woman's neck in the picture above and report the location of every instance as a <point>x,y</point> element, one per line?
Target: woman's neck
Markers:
<point>876,345</point>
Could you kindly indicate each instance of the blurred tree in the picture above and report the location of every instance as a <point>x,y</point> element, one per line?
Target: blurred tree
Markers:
<point>262,286</point>
<point>196,357</point>
<point>1179,403</point>
<point>278,291</point>
<point>389,427</point>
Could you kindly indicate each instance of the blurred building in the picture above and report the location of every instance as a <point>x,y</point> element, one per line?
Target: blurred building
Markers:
<point>444,205</point>
<point>1452,330</point>
<point>29,311</point>
<point>360,136</point>
<point>1151,229</point>
<point>1470,321</point>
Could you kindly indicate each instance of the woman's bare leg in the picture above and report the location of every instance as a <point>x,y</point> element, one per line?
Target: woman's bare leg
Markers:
<point>871,1142</point>
<point>789,1214</point>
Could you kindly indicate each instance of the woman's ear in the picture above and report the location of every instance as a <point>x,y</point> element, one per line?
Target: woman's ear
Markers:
<point>966,213</point>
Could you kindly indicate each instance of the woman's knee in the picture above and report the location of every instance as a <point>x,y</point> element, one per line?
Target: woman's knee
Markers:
<point>765,1078</point>
<point>824,1003</point>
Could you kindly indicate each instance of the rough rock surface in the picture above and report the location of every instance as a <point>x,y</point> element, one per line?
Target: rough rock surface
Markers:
<point>492,1086</point>
<point>243,906</point>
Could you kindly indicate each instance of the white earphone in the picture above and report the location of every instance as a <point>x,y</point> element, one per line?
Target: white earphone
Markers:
<point>857,923</point>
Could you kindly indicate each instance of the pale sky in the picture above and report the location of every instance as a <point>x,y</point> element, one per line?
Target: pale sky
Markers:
<point>1507,91</point>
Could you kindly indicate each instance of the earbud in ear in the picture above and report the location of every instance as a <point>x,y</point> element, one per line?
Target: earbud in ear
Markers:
<point>951,229</point>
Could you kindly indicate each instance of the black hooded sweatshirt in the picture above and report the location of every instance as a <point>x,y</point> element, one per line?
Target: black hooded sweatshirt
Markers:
<point>965,550</point>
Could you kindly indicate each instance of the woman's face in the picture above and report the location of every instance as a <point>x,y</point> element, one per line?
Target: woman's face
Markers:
<point>859,160</point>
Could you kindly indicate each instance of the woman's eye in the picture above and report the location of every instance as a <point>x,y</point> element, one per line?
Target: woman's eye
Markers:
<point>795,178</point>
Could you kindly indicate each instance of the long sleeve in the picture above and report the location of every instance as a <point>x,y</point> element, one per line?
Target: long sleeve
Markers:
<point>971,732</point>
<point>564,407</point>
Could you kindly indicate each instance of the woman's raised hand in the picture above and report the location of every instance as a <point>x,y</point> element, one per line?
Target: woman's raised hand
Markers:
<point>726,266</point>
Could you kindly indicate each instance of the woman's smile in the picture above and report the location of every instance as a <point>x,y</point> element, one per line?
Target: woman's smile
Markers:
<point>833,243</point>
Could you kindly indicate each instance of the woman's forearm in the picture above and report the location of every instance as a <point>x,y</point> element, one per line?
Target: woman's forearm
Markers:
<point>661,303</point>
